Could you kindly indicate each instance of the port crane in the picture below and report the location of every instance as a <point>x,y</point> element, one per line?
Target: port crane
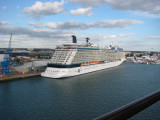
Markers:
<point>6,60</point>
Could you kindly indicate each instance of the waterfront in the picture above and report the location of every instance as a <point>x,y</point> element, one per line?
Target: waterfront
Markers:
<point>81,97</point>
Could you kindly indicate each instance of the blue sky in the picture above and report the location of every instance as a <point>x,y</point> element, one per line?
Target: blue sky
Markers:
<point>134,25</point>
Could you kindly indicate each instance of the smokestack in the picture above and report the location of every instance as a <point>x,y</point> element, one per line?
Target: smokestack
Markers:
<point>87,40</point>
<point>74,39</point>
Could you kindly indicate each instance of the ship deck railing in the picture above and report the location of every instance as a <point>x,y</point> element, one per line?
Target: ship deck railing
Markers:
<point>129,110</point>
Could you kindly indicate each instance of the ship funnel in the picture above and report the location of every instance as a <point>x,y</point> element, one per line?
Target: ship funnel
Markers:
<point>74,39</point>
<point>87,40</point>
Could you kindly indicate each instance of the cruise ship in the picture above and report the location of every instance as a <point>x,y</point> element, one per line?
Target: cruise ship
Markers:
<point>75,59</point>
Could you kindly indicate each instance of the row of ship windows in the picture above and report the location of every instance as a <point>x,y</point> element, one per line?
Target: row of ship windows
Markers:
<point>63,51</point>
<point>60,59</point>
<point>63,58</point>
<point>81,58</point>
<point>97,53</point>
<point>94,51</point>
<point>55,71</point>
<point>61,71</point>
<point>93,57</point>
<point>61,62</point>
<point>88,60</point>
<point>58,71</point>
<point>57,62</point>
<point>61,55</point>
<point>69,50</point>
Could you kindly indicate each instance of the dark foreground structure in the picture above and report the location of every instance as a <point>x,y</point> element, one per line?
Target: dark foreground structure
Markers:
<point>131,109</point>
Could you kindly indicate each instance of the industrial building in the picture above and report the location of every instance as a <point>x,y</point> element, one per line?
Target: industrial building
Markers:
<point>34,66</point>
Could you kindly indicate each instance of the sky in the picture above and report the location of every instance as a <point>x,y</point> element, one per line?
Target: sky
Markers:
<point>132,24</point>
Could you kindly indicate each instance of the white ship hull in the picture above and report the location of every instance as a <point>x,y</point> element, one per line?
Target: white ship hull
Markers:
<point>68,72</point>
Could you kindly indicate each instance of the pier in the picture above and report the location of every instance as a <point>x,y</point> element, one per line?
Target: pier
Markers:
<point>17,77</point>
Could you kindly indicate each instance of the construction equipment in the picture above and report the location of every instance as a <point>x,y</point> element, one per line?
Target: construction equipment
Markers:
<point>6,60</point>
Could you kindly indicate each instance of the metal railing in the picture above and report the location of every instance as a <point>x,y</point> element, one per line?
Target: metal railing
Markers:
<point>131,109</point>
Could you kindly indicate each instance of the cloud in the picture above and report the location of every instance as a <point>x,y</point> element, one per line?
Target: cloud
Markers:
<point>126,35</point>
<point>25,37</point>
<point>32,32</point>
<point>39,9</point>
<point>154,37</point>
<point>32,38</point>
<point>104,37</point>
<point>92,3</point>
<point>4,23</point>
<point>82,11</point>
<point>4,7</point>
<point>51,25</point>
<point>149,6</point>
<point>73,25</point>
<point>145,14</point>
<point>122,23</point>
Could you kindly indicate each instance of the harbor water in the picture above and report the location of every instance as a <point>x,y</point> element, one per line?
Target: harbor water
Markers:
<point>83,97</point>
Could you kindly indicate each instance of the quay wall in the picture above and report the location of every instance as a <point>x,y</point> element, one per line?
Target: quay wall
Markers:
<point>18,77</point>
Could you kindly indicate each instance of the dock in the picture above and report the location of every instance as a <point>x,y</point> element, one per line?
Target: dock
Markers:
<point>17,77</point>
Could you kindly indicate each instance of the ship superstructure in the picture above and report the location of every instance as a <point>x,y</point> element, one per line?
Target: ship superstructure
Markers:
<point>75,59</point>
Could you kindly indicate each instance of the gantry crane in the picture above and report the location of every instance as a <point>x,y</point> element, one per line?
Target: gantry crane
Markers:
<point>6,60</point>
